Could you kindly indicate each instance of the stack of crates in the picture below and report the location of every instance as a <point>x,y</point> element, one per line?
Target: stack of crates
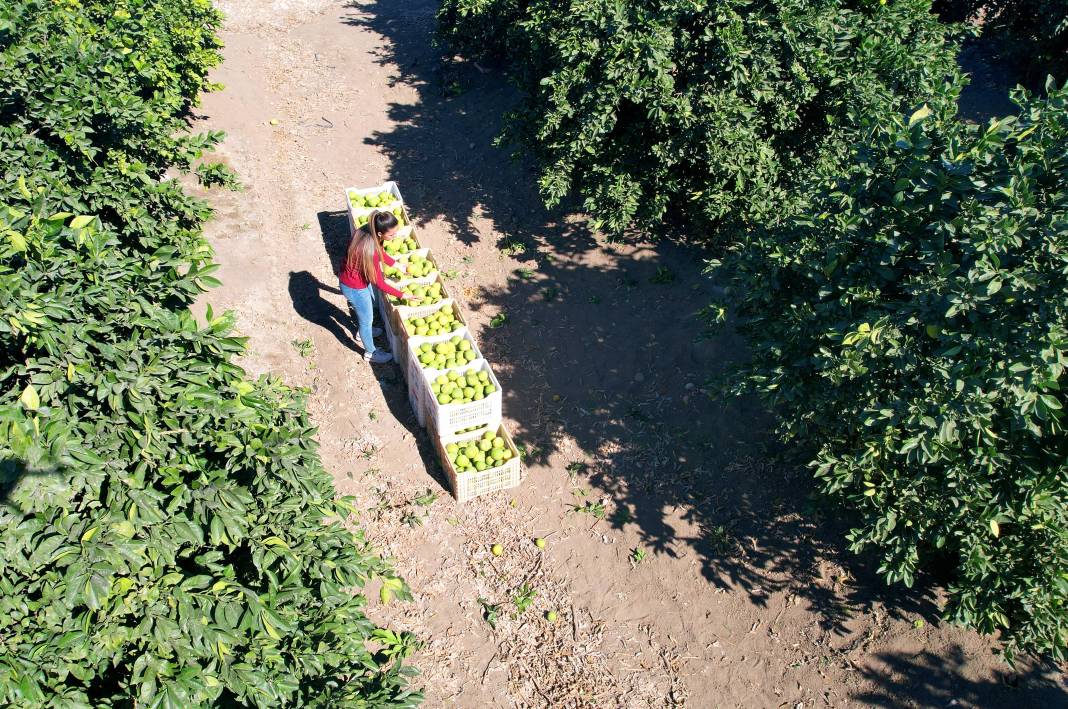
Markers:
<point>456,428</point>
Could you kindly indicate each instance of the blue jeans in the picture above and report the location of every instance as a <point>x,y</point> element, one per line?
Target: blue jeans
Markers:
<point>364,301</point>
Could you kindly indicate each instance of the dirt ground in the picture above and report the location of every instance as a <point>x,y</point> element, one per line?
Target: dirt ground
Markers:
<point>745,597</point>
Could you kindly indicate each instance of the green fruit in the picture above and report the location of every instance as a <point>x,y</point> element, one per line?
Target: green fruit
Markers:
<point>497,549</point>
<point>551,616</point>
<point>539,543</point>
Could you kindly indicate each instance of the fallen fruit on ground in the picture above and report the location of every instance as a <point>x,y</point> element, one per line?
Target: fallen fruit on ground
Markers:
<point>497,550</point>
<point>539,543</point>
<point>551,616</point>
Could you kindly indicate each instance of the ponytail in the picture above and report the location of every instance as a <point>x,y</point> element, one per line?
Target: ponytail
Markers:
<point>381,222</point>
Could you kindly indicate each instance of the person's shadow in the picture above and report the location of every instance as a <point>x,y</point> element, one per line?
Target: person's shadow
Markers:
<point>304,291</point>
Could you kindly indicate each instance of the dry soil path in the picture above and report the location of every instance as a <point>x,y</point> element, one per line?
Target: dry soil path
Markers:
<point>743,598</point>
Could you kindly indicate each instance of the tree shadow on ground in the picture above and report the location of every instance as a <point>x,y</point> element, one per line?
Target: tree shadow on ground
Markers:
<point>604,344</point>
<point>939,679</point>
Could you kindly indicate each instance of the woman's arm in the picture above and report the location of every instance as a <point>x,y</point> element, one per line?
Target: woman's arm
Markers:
<point>380,280</point>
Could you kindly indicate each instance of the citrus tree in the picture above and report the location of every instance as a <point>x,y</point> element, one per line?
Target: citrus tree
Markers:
<point>168,536</point>
<point>711,114</point>
<point>913,329</point>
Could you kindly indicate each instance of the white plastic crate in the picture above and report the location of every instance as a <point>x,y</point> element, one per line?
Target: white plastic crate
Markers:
<point>417,405</point>
<point>404,334</point>
<point>423,251</point>
<point>403,312</point>
<point>423,311</point>
<point>415,367</point>
<point>413,342</point>
<point>389,186</point>
<point>468,485</point>
<point>403,233</point>
<point>446,419</point>
<point>430,278</point>
<point>392,336</point>
<point>421,280</point>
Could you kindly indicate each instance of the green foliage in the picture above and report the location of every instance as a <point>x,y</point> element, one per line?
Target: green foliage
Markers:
<point>704,113</point>
<point>914,330</point>
<point>1031,33</point>
<point>169,537</point>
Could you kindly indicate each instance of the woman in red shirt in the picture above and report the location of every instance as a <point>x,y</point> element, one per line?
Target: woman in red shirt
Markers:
<point>361,273</point>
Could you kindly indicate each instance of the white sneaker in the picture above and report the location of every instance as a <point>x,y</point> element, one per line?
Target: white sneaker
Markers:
<point>378,357</point>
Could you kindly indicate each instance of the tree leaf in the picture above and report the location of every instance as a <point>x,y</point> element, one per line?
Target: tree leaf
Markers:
<point>921,113</point>
<point>30,399</point>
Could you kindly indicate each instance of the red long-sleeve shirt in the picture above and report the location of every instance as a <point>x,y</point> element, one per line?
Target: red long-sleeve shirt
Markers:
<point>353,279</point>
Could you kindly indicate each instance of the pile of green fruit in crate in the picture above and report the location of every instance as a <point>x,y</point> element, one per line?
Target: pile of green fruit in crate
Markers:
<point>456,388</point>
<point>417,267</point>
<point>396,245</point>
<point>486,452</point>
<point>381,199</point>
<point>469,429</point>
<point>456,352</point>
<point>441,322</point>
<point>427,294</point>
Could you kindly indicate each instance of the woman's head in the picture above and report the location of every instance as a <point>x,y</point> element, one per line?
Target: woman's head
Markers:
<point>382,225</point>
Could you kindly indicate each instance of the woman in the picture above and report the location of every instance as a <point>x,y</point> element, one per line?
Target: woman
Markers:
<point>361,273</point>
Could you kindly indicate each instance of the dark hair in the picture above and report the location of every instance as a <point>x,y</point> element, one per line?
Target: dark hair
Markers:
<point>366,243</point>
<point>381,222</point>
